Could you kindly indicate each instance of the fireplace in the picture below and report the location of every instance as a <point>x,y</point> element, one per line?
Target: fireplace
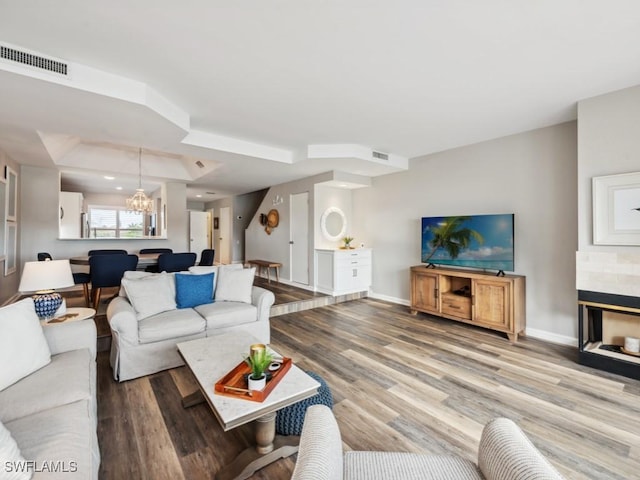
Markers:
<point>604,320</point>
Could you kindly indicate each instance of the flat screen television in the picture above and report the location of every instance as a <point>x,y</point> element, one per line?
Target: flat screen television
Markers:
<point>473,241</point>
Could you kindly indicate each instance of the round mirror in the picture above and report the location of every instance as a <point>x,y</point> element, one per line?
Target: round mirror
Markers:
<point>333,224</point>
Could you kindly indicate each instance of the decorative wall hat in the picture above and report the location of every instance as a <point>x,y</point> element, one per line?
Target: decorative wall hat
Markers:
<point>273,219</point>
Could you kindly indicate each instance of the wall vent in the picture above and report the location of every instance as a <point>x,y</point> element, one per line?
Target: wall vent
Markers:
<point>32,60</point>
<point>381,156</point>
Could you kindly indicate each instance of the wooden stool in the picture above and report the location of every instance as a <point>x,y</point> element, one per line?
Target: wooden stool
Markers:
<point>260,264</point>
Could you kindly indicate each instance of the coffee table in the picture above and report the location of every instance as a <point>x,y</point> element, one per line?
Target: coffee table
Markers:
<point>209,359</point>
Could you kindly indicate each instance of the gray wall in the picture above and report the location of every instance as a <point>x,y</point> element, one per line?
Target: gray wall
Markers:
<point>242,208</point>
<point>532,174</point>
<point>275,247</point>
<point>39,220</point>
<point>608,144</point>
<point>543,176</point>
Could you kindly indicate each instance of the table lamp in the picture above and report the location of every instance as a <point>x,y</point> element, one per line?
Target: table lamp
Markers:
<point>42,278</point>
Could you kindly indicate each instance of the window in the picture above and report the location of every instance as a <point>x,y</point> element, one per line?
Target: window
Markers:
<point>114,222</point>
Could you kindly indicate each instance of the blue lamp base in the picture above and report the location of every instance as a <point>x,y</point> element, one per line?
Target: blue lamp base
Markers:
<point>47,304</point>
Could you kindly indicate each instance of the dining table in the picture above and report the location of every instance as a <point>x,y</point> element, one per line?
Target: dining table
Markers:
<point>144,260</point>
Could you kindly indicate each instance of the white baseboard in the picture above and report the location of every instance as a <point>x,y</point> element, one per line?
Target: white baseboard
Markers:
<point>387,298</point>
<point>552,337</point>
<point>531,332</point>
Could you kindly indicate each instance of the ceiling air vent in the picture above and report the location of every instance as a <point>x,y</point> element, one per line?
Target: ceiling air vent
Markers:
<point>200,164</point>
<point>381,156</point>
<point>32,60</point>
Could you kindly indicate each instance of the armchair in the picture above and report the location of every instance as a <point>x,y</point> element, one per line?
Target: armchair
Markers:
<point>505,453</point>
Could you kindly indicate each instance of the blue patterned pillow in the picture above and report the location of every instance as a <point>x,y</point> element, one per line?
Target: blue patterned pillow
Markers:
<point>193,290</point>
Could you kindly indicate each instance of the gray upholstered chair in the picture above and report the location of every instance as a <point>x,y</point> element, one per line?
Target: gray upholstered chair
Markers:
<point>505,453</point>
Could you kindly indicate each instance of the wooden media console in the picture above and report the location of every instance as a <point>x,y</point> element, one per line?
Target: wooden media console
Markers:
<point>471,297</point>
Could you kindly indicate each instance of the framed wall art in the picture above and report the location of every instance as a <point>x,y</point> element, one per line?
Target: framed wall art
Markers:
<point>3,223</point>
<point>10,263</point>
<point>12,193</point>
<point>616,209</point>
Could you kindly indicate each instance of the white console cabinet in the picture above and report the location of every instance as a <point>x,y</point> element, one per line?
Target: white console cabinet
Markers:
<point>339,272</point>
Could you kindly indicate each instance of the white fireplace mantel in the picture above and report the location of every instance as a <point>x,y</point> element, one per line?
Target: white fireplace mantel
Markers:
<point>608,272</point>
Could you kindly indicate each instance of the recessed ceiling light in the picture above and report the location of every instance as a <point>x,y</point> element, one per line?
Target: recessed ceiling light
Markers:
<point>199,196</point>
<point>107,177</point>
<point>118,188</point>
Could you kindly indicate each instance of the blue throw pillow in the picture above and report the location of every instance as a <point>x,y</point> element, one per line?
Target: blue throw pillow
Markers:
<point>193,290</point>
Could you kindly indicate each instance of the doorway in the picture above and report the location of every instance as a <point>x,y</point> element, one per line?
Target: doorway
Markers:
<point>224,235</point>
<point>199,231</point>
<point>299,238</point>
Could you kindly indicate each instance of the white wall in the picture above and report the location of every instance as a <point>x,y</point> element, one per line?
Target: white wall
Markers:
<point>532,174</point>
<point>215,207</point>
<point>327,197</point>
<point>608,144</point>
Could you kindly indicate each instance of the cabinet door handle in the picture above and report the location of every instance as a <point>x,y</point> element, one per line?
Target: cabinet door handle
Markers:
<point>61,213</point>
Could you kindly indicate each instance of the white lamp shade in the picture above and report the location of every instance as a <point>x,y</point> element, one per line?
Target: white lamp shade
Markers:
<point>48,275</point>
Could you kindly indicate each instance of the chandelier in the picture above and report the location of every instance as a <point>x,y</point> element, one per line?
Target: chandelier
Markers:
<point>140,202</point>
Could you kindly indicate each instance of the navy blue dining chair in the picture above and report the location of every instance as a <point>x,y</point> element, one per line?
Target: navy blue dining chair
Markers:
<point>107,271</point>
<point>154,268</point>
<point>206,257</point>
<point>112,251</point>
<point>79,278</point>
<point>176,262</point>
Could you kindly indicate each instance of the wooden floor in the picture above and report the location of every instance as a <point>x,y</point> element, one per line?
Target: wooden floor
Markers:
<point>399,382</point>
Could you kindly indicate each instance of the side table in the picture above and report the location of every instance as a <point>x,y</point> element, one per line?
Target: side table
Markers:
<point>73,314</point>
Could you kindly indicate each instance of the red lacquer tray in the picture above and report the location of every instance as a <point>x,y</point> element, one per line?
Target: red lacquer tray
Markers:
<point>234,383</point>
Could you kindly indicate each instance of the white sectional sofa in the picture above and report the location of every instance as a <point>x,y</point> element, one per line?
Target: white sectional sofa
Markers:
<point>48,417</point>
<point>155,311</point>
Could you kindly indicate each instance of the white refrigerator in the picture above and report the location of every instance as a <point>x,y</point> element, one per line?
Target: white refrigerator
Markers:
<point>73,221</point>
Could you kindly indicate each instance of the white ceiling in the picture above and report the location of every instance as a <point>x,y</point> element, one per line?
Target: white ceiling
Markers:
<point>247,87</point>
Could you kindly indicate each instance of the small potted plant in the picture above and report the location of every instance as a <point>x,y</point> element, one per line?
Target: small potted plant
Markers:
<point>347,242</point>
<point>258,360</point>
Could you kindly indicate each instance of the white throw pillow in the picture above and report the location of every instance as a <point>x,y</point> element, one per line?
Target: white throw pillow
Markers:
<point>235,285</point>
<point>23,346</point>
<point>132,275</point>
<point>151,294</point>
<point>203,270</point>
<point>11,458</point>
